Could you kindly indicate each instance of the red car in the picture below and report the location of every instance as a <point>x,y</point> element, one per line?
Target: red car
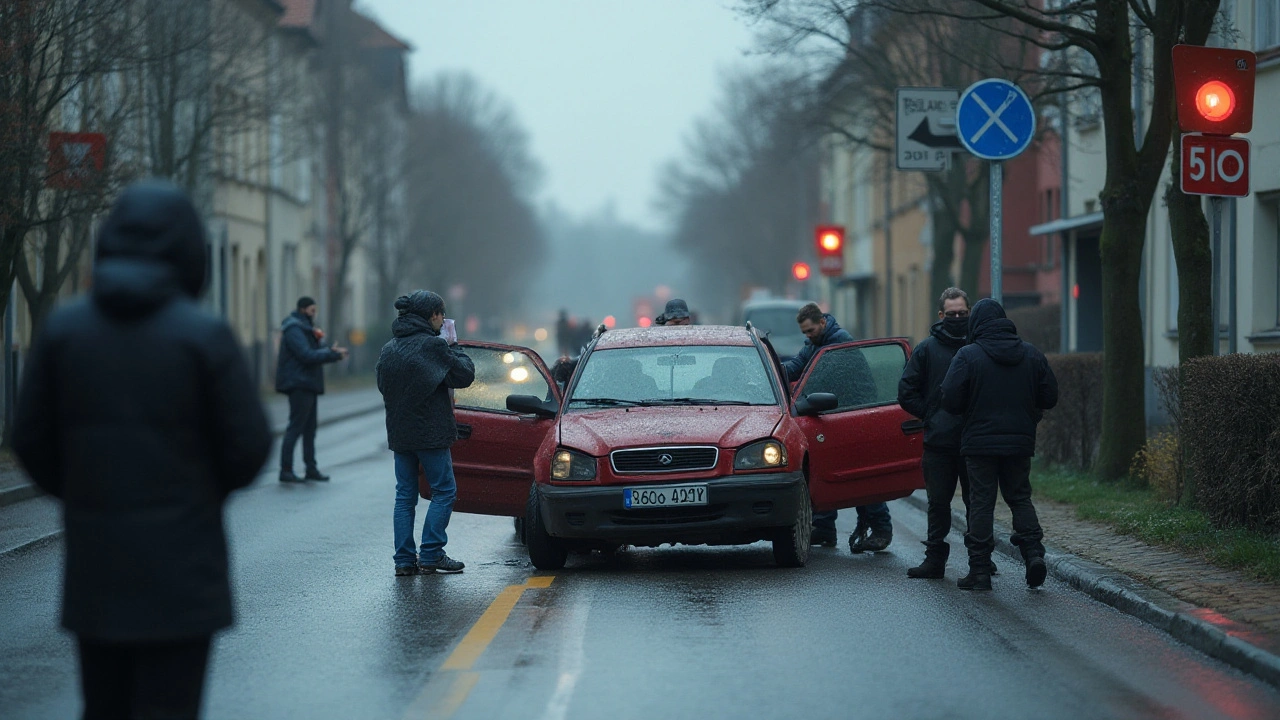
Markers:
<point>681,435</point>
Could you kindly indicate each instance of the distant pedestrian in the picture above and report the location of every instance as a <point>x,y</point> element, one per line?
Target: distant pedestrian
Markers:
<point>564,333</point>
<point>1001,385</point>
<point>137,411</point>
<point>874,531</point>
<point>300,375</point>
<point>920,393</point>
<point>416,370</point>
<point>675,313</point>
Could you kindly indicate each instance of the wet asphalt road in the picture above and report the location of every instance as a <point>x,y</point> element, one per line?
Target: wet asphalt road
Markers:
<point>326,631</point>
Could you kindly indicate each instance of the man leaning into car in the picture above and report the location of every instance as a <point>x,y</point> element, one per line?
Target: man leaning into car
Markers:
<point>821,329</point>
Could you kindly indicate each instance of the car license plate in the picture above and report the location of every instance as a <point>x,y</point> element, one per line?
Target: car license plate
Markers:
<point>664,496</point>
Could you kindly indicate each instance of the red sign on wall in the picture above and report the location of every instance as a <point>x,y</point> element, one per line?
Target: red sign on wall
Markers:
<point>76,159</point>
<point>1215,165</point>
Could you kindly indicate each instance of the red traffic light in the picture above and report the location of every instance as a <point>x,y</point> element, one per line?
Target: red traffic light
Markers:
<point>800,271</point>
<point>830,239</point>
<point>1213,88</point>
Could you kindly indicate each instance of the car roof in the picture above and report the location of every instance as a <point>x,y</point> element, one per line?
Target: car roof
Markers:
<point>675,335</point>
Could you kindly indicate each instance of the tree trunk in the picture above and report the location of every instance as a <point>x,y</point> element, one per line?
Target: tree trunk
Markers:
<point>944,252</point>
<point>1124,429</point>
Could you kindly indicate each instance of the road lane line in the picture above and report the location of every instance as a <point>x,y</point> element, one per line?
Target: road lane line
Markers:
<point>572,659</point>
<point>455,679</point>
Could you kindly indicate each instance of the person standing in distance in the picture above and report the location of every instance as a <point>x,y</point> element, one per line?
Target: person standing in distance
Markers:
<point>1001,385</point>
<point>138,413</point>
<point>821,329</point>
<point>920,393</point>
<point>300,375</point>
<point>416,369</point>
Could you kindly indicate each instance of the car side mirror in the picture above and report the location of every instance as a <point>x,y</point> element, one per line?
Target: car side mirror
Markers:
<point>530,405</point>
<point>816,403</point>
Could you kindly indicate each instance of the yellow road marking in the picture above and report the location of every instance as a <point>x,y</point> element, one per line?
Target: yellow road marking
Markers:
<point>470,649</point>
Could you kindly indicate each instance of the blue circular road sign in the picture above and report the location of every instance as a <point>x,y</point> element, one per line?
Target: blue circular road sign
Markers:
<point>995,120</point>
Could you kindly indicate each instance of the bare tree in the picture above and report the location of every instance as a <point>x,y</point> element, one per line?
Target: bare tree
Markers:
<point>744,197</point>
<point>49,50</point>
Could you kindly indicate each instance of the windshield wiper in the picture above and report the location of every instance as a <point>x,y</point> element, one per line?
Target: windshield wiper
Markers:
<point>607,402</point>
<point>693,401</point>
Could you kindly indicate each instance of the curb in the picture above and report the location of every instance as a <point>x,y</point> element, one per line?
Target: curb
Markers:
<point>1155,607</point>
<point>26,491</point>
<point>31,544</point>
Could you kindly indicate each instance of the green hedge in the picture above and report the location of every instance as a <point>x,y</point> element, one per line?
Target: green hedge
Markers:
<point>1068,435</point>
<point>1231,430</point>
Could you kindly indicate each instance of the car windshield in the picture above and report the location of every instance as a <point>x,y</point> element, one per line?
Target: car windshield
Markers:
<point>674,375</point>
<point>781,326</point>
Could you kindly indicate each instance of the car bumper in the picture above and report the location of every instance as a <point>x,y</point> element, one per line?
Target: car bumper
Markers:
<point>736,506</point>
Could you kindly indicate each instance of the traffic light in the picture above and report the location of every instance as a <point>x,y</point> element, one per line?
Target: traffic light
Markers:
<point>1213,88</point>
<point>800,271</point>
<point>830,244</point>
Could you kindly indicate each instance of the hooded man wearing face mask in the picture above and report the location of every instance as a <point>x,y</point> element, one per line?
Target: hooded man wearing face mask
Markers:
<point>920,393</point>
<point>1001,385</point>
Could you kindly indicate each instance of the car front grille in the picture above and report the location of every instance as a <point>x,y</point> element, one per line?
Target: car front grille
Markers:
<point>664,460</point>
<point>668,515</point>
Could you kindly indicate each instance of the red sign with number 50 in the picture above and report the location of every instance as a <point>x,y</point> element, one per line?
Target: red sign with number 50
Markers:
<point>1215,165</point>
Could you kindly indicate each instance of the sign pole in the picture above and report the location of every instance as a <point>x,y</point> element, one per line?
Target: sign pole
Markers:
<point>1215,231</point>
<point>888,251</point>
<point>997,220</point>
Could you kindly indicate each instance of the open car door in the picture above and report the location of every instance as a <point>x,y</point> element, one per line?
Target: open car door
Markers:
<point>868,449</point>
<point>493,457</point>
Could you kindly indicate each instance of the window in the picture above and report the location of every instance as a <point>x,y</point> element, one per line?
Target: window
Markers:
<point>1267,255</point>
<point>500,373</point>
<point>859,376</point>
<point>1266,25</point>
<point>701,374</point>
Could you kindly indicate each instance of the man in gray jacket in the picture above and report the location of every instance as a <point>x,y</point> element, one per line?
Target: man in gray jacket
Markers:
<point>415,371</point>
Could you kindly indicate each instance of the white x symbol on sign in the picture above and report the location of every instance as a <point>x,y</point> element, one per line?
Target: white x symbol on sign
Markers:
<point>993,116</point>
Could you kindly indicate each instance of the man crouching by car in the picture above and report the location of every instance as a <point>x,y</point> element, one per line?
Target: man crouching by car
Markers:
<point>415,371</point>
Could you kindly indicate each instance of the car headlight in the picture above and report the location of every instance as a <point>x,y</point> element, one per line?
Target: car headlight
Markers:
<point>763,454</point>
<point>572,466</point>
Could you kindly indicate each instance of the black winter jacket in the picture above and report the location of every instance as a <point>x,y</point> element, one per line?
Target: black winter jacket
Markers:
<point>415,371</point>
<point>301,361</point>
<point>1000,385</point>
<point>920,389</point>
<point>138,412</point>
<point>834,334</point>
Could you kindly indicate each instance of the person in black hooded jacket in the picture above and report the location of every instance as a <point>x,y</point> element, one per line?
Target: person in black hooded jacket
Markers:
<point>415,370</point>
<point>142,440</point>
<point>1001,385</point>
<point>920,393</point>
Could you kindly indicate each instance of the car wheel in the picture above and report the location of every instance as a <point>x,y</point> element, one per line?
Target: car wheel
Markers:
<point>791,543</point>
<point>545,552</point>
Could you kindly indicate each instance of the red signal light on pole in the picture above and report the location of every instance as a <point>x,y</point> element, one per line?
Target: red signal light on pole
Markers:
<point>1213,88</point>
<point>800,271</point>
<point>830,244</point>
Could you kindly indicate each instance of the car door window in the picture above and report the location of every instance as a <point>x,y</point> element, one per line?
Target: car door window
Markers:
<point>859,377</point>
<point>501,372</point>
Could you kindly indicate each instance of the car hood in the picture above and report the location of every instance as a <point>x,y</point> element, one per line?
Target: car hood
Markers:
<point>599,432</point>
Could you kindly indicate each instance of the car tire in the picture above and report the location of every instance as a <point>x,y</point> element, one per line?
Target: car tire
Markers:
<point>545,552</point>
<point>791,543</point>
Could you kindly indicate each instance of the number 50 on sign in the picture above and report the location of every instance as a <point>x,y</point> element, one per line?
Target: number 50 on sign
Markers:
<point>1215,165</point>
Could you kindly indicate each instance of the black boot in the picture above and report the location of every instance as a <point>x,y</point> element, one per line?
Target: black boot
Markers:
<point>1036,572</point>
<point>932,567</point>
<point>287,476</point>
<point>857,539</point>
<point>878,540</point>
<point>974,581</point>
<point>825,537</point>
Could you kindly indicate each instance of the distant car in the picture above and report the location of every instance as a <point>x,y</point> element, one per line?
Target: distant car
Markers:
<point>681,435</point>
<point>776,318</point>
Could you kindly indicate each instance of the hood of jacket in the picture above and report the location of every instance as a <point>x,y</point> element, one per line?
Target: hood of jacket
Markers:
<point>939,332</point>
<point>151,248</point>
<point>297,317</point>
<point>833,327</point>
<point>416,310</point>
<point>990,330</point>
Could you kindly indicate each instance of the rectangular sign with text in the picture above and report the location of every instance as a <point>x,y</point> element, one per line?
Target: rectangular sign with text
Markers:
<point>1214,165</point>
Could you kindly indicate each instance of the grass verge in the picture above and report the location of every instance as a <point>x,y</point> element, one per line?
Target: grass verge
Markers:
<point>1137,511</point>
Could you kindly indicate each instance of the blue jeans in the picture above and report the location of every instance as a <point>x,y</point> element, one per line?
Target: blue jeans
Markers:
<point>874,516</point>
<point>438,467</point>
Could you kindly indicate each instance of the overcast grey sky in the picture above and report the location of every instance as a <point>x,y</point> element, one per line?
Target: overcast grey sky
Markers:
<point>605,88</point>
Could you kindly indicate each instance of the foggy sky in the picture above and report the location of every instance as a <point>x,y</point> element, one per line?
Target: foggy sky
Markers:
<point>605,88</point>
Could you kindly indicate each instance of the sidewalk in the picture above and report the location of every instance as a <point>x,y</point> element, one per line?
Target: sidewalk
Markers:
<point>1222,613</point>
<point>333,407</point>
